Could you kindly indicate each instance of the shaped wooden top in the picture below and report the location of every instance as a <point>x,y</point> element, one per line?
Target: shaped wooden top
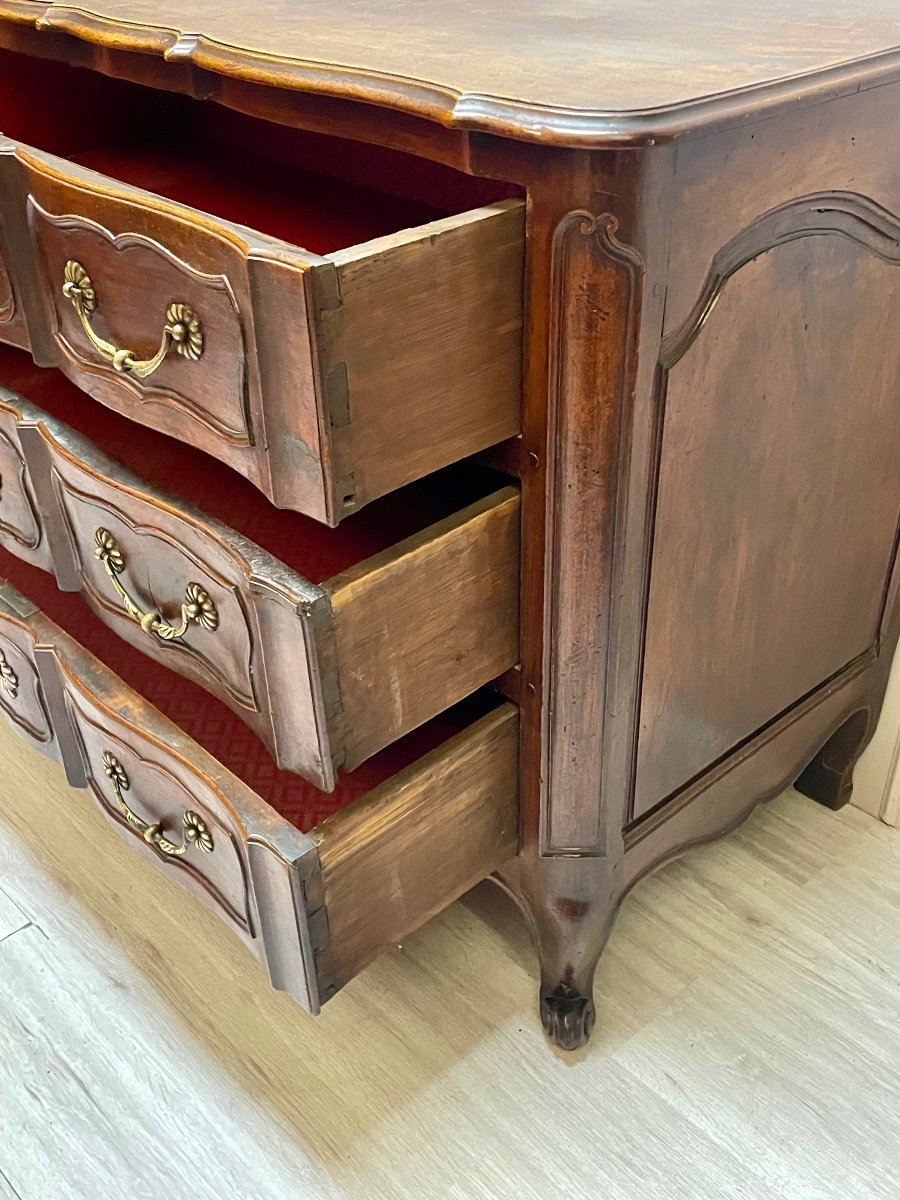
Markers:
<point>593,73</point>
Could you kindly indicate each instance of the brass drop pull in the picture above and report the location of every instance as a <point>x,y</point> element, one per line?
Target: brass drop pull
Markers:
<point>197,606</point>
<point>194,830</point>
<point>9,680</point>
<point>182,329</point>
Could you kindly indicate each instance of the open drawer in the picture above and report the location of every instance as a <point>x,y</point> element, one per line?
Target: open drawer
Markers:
<point>317,903</point>
<point>406,609</point>
<point>321,377</point>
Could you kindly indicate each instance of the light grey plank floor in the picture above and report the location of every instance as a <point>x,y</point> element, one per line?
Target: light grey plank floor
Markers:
<point>748,1048</point>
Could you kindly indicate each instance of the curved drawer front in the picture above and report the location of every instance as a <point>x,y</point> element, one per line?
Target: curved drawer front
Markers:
<point>315,907</point>
<point>21,529</point>
<point>319,379</point>
<point>22,700</point>
<point>326,676</point>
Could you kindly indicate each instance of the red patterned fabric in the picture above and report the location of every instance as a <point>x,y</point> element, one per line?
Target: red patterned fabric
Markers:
<point>214,726</point>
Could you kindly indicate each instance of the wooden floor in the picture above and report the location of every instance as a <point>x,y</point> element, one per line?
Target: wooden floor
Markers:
<point>748,1046</point>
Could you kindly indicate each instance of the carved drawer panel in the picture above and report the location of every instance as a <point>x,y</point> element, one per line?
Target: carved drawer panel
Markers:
<point>20,522</point>
<point>12,317</point>
<point>320,378</point>
<point>22,700</point>
<point>316,906</point>
<point>326,674</point>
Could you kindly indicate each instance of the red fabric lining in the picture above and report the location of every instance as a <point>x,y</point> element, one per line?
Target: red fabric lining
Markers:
<point>310,548</point>
<point>215,727</point>
<point>315,212</point>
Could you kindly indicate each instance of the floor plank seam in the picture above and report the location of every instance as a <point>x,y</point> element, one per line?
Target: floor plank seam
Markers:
<point>17,1195</point>
<point>13,932</point>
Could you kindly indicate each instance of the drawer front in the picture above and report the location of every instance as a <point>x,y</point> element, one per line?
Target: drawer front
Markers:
<point>316,908</point>
<point>188,592</point>
<point>22,700</point>
<point>107,268</point>
<point>179,807</point>
<point>21,529</point>
<point>319,379</point>
<point>326,676</point>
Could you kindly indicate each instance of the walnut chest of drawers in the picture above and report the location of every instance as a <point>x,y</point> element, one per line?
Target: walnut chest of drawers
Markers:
<point>434,446</point>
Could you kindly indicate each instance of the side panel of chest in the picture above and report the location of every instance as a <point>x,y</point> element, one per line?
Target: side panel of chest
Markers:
<point>777,431</point>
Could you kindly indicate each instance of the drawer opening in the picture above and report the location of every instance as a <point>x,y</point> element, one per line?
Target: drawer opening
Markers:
<point>220,731</point>
<point>313,550</point>
<point>318,192</point>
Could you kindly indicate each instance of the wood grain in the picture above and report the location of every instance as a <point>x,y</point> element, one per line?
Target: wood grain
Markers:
<point>531,73</point>
<point>409,848</point>
<point>397,661</point>
<point>428,335</point>
<point>326,676</point>
<point>803,470</point>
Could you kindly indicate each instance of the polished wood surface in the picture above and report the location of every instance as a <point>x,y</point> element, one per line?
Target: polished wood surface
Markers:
<point>602,72</point>
<point>815,436</point>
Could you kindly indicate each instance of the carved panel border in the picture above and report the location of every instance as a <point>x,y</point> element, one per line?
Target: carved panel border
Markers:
<point>819,214</point>
<point>151,392</point>
<point>596,288</point>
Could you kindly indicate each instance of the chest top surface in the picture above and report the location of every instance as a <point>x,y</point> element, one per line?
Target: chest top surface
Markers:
<point>593,73</point>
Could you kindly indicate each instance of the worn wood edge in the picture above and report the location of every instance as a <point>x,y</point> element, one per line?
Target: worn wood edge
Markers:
<point>290,949</point>
<point>415,844</point>
<point>478,112</point>
<point>430,231</point>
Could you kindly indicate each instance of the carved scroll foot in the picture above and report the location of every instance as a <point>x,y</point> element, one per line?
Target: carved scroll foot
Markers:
<point>570,903</point>
<point>568,1018</point>
<point>829,777</point>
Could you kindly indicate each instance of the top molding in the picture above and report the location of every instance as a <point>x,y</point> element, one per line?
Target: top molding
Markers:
<point>606,73</point>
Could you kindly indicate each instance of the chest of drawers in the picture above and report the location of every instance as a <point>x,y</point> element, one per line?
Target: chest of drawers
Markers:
<point>434,445</point>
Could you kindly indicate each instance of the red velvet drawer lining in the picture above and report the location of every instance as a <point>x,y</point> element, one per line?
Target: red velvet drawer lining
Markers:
<point>312,211</point>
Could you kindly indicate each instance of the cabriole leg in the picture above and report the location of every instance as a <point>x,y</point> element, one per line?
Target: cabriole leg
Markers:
<point>829,777</point>
<point>570,904</point>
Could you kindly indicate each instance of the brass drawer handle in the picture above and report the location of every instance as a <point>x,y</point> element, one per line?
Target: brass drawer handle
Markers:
<point>182,330</point>
<point>9,680</point>
<point>197,605</point>
<point>194,830</point>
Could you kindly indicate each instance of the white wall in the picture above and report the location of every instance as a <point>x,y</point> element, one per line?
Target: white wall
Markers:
<point>876,780</point>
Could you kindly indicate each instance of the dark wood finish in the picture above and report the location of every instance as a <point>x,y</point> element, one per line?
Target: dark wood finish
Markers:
<point>22,700</point>
<point>708,456</point>
<point>529,72</point>
<point>321,378</point>
<point>325,675</point>
<point>294,899</point>
<point>21,527</point>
